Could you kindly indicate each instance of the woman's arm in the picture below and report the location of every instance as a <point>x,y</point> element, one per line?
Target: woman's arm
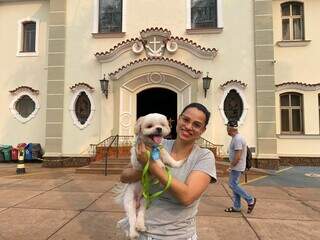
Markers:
<point>185,192</point>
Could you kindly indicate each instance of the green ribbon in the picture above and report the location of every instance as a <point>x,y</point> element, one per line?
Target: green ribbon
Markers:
<point>147,182</point>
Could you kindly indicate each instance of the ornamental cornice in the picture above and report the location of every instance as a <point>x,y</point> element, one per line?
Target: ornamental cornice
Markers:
<point>298,86</point>
<point>154,61</point>
<point>155,42</point>
<point>233,83</point>
<point>24,88</point>
<point>81,85</point>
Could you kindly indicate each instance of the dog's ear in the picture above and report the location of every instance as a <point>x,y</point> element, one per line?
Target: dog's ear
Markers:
<point>137,127</point>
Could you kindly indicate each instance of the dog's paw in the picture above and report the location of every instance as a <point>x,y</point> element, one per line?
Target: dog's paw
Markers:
<point>141,227</point>
<point>133,235</point>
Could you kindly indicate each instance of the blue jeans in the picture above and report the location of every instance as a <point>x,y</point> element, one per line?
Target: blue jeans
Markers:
<point>238,192</point>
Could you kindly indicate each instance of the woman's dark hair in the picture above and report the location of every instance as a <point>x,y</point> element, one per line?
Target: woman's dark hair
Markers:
<point>201,108</point>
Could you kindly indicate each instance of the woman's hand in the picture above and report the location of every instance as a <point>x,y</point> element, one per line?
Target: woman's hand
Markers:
<point>130,175</point>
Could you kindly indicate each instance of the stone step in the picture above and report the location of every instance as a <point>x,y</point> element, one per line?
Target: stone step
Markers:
<point>109,165</point>
<point>88,170</point>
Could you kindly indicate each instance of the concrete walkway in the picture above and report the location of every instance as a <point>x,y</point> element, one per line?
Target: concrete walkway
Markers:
<point>58,204</point>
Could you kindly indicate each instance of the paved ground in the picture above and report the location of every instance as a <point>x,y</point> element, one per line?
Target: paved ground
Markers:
<point>58,204</point>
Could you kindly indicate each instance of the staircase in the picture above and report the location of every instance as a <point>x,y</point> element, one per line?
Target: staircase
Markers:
<point>112,155</point>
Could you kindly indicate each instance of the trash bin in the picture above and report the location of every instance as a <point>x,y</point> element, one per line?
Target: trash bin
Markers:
<point>1,154</point>
<point>14,154</point>
<point>28,152</point>
<point>6,151</point>
<point>37,151</point>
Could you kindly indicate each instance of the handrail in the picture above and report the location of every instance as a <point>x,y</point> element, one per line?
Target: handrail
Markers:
<point>204,143</point>
<point>106,157</point>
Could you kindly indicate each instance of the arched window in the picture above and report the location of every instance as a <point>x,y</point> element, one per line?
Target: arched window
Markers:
<point>292,15</point>
<point>291,108</point>
<point>233,105</point>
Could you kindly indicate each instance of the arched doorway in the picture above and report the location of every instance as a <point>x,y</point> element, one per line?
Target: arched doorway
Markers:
<point>159,100</point>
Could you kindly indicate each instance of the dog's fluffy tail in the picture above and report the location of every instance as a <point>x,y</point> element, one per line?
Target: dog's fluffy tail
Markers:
<point>119,190</point>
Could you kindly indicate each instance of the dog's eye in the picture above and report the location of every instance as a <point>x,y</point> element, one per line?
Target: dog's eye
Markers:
<point>149,126</point>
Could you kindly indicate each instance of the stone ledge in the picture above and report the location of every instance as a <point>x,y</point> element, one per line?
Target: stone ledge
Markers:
<point>300,161</point>
<point>52,162</point>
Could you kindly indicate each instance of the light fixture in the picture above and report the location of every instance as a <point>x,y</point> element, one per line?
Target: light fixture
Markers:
<point>104,83</point>
<point>206,84</point>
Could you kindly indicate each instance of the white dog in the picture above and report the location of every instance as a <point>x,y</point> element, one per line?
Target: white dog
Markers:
<point>149,129</point>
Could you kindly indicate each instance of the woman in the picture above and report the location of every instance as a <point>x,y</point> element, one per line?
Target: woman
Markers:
<point>172,215</point>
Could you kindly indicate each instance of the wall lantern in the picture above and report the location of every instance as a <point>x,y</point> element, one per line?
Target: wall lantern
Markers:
<point>104,83</point>
<point>206,84</point>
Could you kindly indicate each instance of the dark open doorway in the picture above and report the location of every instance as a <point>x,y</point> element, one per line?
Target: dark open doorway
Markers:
<point>159,100</point>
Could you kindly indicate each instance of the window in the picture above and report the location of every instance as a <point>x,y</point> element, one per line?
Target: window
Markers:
<point>292,21</point>
<point>291,111</point>
<point>83,108</point>
<point>110,16</point>
<point>25,106</point>
<point>233,106</point>
<point>203,14</point>
<point>29,37</point>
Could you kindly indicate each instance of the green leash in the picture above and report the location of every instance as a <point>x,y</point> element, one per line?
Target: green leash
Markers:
<point>146,183</point>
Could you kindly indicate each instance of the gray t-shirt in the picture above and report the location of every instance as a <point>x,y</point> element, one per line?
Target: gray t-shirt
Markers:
<point>168,219</point>
<point>238,143</point>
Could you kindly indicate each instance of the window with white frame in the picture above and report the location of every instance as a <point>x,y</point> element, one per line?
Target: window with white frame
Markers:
<point>82,106</point>
<point>291,113</point>
<point>233,105</point>
<point>24,105</point>
<point>110,16</point>
<point>28,35</point>
<point>292,14</point>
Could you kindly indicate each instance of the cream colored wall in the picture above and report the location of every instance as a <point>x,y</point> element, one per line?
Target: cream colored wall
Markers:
<point>17,71</point>
<point>299,64</point>
<point>234,61</point>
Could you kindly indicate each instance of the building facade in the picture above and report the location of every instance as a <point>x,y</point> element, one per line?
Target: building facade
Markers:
<point>155,55</point>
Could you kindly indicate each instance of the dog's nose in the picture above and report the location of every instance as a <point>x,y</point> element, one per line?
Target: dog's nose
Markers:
<point>159,129</point>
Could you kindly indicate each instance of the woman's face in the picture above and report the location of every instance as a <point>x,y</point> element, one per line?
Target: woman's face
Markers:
<point>191,124</point>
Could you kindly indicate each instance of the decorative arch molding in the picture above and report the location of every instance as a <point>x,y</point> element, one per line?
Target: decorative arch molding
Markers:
<point>164,80</point>
<point>17,94</point>
<point>149,38</point>
<point>77,89</point>
<point>155,61</point>
<point>237,83</point>
<point>298,86</point>
<point>240,90</point>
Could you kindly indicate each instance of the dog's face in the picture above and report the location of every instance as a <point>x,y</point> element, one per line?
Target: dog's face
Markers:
<point>152,128</point>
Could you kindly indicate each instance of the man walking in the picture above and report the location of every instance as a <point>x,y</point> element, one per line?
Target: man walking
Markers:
<point>237,157</point>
